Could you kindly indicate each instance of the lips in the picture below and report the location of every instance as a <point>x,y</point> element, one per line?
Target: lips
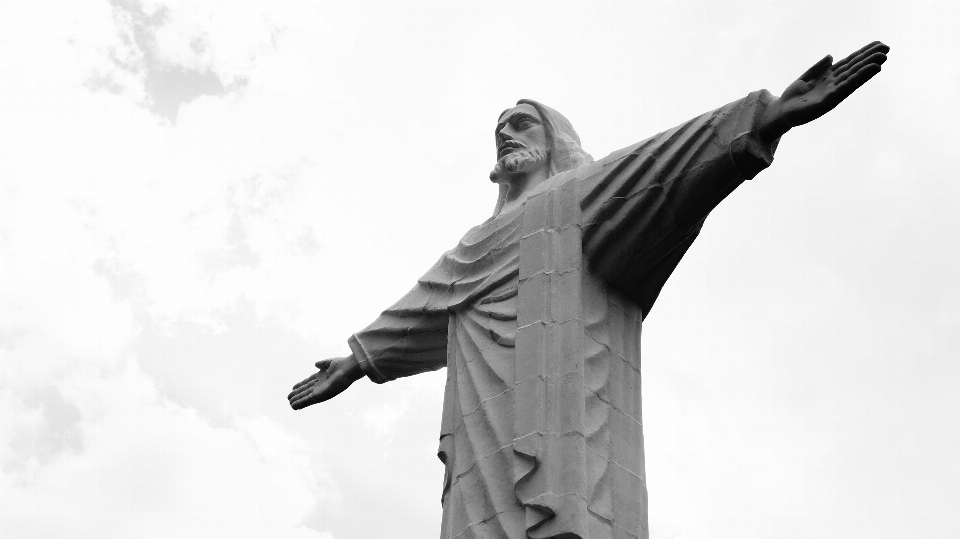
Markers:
<point>507,146</point>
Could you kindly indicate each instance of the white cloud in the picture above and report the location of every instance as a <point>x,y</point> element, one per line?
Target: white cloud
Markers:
<point>115,227</point>
<point>149,468</point>
<point>168,54</point>
<point>384,418</point>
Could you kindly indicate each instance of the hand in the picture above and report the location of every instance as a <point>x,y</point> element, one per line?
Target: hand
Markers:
<point>334,376</point>
<point>820,89</point>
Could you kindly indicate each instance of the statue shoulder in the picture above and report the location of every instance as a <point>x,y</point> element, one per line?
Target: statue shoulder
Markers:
<point>493,229</point>
<point>582,172</point>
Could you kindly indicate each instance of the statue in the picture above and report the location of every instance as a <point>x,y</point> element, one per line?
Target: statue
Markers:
<point>537,312</point>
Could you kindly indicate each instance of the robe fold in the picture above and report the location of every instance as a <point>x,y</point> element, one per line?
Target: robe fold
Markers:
<point>537,316</point>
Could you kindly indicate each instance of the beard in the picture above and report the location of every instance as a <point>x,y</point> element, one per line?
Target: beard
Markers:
<point>517,162</point>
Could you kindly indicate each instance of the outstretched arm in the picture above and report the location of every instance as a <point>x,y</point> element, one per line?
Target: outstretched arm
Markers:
<point>820,89</point>
<point>644,205</point>
<point>401,342</point>
<point>408,338</point>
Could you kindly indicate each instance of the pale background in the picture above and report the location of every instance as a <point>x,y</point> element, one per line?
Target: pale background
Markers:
<point>199,200</point>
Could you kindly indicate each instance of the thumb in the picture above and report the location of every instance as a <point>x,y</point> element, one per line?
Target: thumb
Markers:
<point>323,364</point>
<point>817,69</point>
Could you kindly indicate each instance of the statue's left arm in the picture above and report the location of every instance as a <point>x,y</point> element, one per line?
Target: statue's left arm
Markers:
<point>643,206</point>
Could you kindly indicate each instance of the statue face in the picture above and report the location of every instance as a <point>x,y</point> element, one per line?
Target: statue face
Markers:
<point>518,129</point>
<point>521,145</point>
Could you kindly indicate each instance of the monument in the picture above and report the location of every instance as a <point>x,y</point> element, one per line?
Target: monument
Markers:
<point>537,312</point>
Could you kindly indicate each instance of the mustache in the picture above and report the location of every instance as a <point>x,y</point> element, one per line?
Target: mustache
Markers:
<point>510,144</point>
<point>516,162</point>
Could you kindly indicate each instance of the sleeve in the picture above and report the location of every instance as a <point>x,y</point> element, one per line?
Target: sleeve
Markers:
<point>408,338</point>
<point>644,205</point>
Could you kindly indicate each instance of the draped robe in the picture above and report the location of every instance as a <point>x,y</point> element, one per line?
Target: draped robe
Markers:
<point>537,316</point>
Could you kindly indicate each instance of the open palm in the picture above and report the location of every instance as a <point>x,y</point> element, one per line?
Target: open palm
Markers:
<point>332,378</point>
<point>823,86</point>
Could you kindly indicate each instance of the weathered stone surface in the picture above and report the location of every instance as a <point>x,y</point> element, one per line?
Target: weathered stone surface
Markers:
<point>537,313</point>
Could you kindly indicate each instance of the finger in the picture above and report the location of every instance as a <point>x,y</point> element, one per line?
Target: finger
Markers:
<point>308,398</point>
<point>859,51</point>
<point>301,387</point>
<point>323,364</point>
<point>303,392</point>
<point>302,403</point>
<point>294,395</point>
<point>306,380</point>
<point>817,68</point>
<point>875,58</point>
<point>858,79</point>
<point>855,58</point>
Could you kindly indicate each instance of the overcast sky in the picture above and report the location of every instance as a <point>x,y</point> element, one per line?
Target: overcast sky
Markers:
<point>199,200</point>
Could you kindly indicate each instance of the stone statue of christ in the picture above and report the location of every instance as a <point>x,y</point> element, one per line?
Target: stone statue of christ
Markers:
<point>537,312</point>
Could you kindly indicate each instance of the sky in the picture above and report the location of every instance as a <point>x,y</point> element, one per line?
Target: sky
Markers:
<point>200,200</point>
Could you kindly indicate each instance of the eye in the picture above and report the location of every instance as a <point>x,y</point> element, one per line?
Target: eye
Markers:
<point>524,122</point>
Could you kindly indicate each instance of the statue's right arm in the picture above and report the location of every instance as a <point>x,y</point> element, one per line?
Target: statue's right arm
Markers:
<point>408,338</point>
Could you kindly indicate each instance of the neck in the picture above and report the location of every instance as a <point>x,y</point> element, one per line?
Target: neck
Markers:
<point>518,188</point>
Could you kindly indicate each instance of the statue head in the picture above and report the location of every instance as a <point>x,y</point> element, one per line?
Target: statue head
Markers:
<point>522,144</point>
<point>534,139</point>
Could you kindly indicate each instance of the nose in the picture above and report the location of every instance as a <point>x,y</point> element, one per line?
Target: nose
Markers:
<point>504,135</point>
